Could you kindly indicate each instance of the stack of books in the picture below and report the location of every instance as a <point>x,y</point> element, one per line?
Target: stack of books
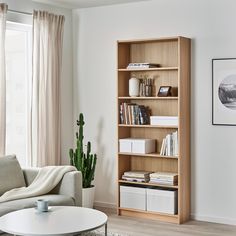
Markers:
<point>170,146</point>
<point>133,114</point>
<point>143,65</point>
<point>165,178</point>
<point>137,176</point>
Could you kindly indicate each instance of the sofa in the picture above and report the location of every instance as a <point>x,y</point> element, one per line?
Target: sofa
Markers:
<point>67,193</point>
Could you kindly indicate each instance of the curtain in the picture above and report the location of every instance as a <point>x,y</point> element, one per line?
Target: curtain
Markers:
<point>3,12</point>
<point>45,108</point>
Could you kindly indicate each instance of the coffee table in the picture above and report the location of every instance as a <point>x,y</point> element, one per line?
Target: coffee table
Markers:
<point>59,220</point>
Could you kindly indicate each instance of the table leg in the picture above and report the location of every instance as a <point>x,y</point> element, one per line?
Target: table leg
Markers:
<point>106,229</point>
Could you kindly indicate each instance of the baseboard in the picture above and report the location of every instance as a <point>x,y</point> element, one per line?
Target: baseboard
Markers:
<point>219,220</point>
<point>105,205</point>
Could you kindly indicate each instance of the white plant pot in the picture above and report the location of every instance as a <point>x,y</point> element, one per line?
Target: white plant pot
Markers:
<point>88,197</point>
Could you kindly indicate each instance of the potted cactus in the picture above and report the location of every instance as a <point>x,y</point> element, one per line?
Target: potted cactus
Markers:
<point>84,162</point>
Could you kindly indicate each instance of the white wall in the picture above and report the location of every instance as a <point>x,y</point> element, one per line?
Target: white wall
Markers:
<point>67,65</point>
<point>211,25</point>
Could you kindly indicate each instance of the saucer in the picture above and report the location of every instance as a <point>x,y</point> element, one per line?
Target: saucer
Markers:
<point>49,208</point>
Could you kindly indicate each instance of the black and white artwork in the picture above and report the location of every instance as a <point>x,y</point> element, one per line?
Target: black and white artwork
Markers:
<point>224,91</point>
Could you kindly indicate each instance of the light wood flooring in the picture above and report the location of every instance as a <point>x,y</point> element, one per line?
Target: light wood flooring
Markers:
<point>141,227</point>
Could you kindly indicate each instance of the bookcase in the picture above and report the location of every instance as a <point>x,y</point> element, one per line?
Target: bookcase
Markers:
<point>173,55</point>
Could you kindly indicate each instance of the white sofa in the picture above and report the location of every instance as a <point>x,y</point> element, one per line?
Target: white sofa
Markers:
<point>67,193</point>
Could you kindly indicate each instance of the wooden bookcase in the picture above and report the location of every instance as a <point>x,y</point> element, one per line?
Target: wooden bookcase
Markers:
<point>174,56</point>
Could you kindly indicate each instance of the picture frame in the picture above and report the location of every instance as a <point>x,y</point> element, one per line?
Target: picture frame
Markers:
<point>164,91</point>
<point>224,91</point>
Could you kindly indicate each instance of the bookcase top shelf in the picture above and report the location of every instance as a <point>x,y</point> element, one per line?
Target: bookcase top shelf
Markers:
<point>148,98</point>
<point>154,155</point>
<point>149,184</point>
<point>149,69</point>
<point>164,39</point>
<point>150,126</point>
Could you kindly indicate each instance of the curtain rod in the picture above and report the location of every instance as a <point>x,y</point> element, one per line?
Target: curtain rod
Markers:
<point>21,12</point>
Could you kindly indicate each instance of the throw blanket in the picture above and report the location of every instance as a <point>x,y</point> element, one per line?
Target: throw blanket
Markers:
<point>47,179</point>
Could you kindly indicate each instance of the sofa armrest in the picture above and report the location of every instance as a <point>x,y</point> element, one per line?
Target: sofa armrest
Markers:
<point>30,174</point>
<point>71,185</point>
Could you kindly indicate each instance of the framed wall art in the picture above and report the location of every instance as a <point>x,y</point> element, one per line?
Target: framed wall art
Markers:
<point>224,91</point>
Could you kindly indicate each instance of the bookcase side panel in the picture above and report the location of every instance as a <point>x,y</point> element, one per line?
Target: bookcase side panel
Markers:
<point>184,129</point>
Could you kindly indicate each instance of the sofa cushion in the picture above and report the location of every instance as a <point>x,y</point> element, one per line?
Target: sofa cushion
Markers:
<point>11,174</point>
<point>54,200</point>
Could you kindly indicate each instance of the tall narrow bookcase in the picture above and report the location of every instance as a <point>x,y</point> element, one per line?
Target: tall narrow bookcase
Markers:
<point>173,55</point>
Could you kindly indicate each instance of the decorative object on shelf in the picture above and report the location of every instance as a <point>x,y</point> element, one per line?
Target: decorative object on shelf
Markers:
<point>164,91</point>
<point>145,88</point>
<point>84,162</point>
<point>224,91</point>
<point>133,87</point>
<point>143,65</point>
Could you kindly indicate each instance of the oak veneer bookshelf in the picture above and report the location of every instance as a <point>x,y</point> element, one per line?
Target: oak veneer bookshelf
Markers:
<point>174,56</point>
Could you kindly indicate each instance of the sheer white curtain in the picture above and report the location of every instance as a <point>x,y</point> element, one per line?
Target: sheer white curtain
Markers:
<point>3,12</point>
<point>45,113</point>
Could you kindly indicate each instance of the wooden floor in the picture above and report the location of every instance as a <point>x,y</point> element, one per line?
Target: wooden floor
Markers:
<point>141,227</point>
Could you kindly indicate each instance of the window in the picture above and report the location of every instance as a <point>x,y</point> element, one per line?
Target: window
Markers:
<point>18,79</point>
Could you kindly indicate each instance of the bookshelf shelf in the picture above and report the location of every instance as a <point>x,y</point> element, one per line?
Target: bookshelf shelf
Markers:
<point>150,126</point>
<point>149,215</point>
<point>149,69</point>
<point>149,184</point>
<point>153,155</point>
<point>173,54</point>
<point>148,98</point>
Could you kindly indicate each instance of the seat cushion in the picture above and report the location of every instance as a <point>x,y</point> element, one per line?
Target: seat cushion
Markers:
<point>54,200</point>
<point>11,174</point>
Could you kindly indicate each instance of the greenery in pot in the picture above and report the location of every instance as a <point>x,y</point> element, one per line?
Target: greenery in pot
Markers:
<point>84,162</point>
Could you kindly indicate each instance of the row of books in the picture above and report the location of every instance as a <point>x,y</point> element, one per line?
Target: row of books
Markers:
<point>165,178</point>
<point>133,114</point>
<point>142,65</point>
<point>170,145</point>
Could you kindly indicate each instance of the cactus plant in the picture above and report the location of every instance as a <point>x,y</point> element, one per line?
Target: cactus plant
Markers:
<point>84,162</point>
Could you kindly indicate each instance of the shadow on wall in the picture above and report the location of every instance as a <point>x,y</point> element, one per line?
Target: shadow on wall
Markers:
<point>104,168</point>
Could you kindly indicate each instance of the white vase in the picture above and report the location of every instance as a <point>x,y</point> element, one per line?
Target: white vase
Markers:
<point>88,197</point>
<point>133,87</point>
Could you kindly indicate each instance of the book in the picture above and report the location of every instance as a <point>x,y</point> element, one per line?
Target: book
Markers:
<point>170,146</point>
<point>142,65</point>
<point>133,114</point>
<point>137,174</point>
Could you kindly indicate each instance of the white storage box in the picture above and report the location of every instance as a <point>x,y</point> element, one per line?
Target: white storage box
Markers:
<point>143,146</point>
<point>164,120</point>
<point>136,145</point>
<point>133,197</point>
<point>125,145</point>
<point>164,201</point>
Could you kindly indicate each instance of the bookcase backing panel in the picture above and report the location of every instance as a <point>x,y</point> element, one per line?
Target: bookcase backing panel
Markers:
<point>124,164</point>
<point>123,55</point>
<point>154,164</point>
<point>163,53</point>
<point>123,84</point>
<point>124,132</point>
<point>161,107</point>
<point>152,133</point>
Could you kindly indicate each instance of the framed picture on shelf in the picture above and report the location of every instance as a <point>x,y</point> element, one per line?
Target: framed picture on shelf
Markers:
<point>164,91</point>
<point>224,91</point>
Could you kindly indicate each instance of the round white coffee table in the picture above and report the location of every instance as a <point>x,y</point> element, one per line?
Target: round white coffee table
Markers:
<point>59,220</point>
